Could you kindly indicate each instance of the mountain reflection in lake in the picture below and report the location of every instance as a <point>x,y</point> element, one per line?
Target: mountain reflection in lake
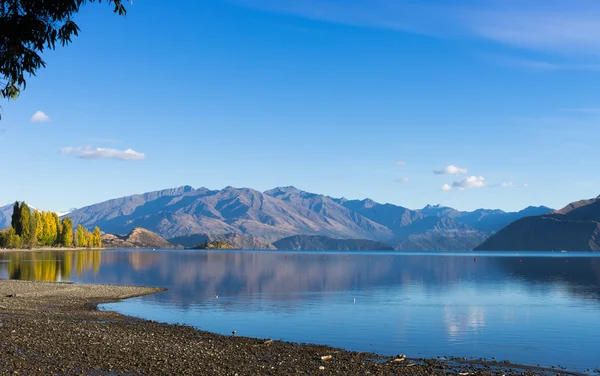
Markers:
<point>531,308</point>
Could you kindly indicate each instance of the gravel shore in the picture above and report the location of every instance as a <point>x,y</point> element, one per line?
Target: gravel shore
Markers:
<point>55,329</point>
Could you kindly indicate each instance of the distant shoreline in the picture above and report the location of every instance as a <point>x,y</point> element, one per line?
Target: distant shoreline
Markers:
<point>38,315</point>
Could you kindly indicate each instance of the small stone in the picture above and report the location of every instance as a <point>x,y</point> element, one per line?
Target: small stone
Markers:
<point>322,368</point>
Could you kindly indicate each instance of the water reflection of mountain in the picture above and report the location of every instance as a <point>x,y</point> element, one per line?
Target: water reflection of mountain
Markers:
<point>192,275</point>
<point>579,275</point>
<point>48,266</point>
<point>204,274</point>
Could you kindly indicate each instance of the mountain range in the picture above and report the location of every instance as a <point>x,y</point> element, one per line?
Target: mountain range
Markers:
<point>6,215</point>
<point>576,227</point>
<point>263,218</point>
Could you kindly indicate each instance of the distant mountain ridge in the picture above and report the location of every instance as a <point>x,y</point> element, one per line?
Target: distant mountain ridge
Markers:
<point>6,216</point>
<point>287,211</point>
<point>576,227</point>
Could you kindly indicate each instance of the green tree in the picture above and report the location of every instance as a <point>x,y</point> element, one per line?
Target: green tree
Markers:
<point>97,237</point>
<point>14,240</point>
<point>27,28</point>
<point>4,238</point>
<point>80,237</point>
<point>49,230</point>
<point>57,225</point>
<point>25,225</point>
<point>66,239</point>
<point>16,218</point>
<point>36,225</point>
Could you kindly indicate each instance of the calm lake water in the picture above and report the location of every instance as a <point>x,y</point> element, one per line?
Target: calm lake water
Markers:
<point>534,308</point>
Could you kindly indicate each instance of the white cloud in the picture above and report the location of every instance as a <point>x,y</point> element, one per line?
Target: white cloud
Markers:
<point>400,163</point>
<point>565,28</point>
<point>446,187</point>
<point>90,152</point>
<point>451,170</point>
<point>509,184</point>
<point>403,180</point>
<point>469,183</point>
<point>40,117</point>
<point>105,140</point>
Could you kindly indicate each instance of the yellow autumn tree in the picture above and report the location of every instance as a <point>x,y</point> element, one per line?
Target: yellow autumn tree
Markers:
<point>58,227</point>
<point>66,235</point>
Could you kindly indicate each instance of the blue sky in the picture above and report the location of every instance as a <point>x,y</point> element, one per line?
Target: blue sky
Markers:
<point>324,95</point>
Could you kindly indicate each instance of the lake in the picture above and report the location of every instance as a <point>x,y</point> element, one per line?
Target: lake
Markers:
<point>533,308</point>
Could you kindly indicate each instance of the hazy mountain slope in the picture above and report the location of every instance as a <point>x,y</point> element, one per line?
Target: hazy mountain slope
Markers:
<point>440,211</point>
<point>184,211</point>
<point>488,221</point>
<point>6,216</point>
<point>573,228</point>
<point>491,221</point>
<point>389,215</point>
<point>323,243</point>
<point>433,233</point>
<point>287,211</point>
<point>335,219</point>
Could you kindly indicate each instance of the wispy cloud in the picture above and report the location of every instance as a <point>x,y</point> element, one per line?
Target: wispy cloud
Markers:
<point>508,184</point>
<point>584,110</point>
<point>468,183</point>
<point>566,28</point>
<point>402,180</point>
<point>105,140</point>
<point>90,152</point>
<point>400,163</point>
<point>451,170</point>
<point>40,117</point>
<point>539,64</point>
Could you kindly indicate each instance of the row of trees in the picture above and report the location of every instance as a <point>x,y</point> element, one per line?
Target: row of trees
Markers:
<point>30,229</point>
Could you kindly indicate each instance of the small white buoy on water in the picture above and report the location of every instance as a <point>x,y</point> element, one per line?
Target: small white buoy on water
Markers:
<point>216,296</point>
<point>354,300</point>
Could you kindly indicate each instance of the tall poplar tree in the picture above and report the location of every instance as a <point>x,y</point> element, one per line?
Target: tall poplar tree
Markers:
<point>35,223</point>
<point>80,238</point>
<point>57,225</point>
<point>66,238</point>
<point>97,236</point>
<point>16,218</point>
<point>25,225</point>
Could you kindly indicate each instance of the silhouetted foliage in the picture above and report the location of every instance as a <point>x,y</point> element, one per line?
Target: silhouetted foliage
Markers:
<point>27,28</point>
<point>16,217</point>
